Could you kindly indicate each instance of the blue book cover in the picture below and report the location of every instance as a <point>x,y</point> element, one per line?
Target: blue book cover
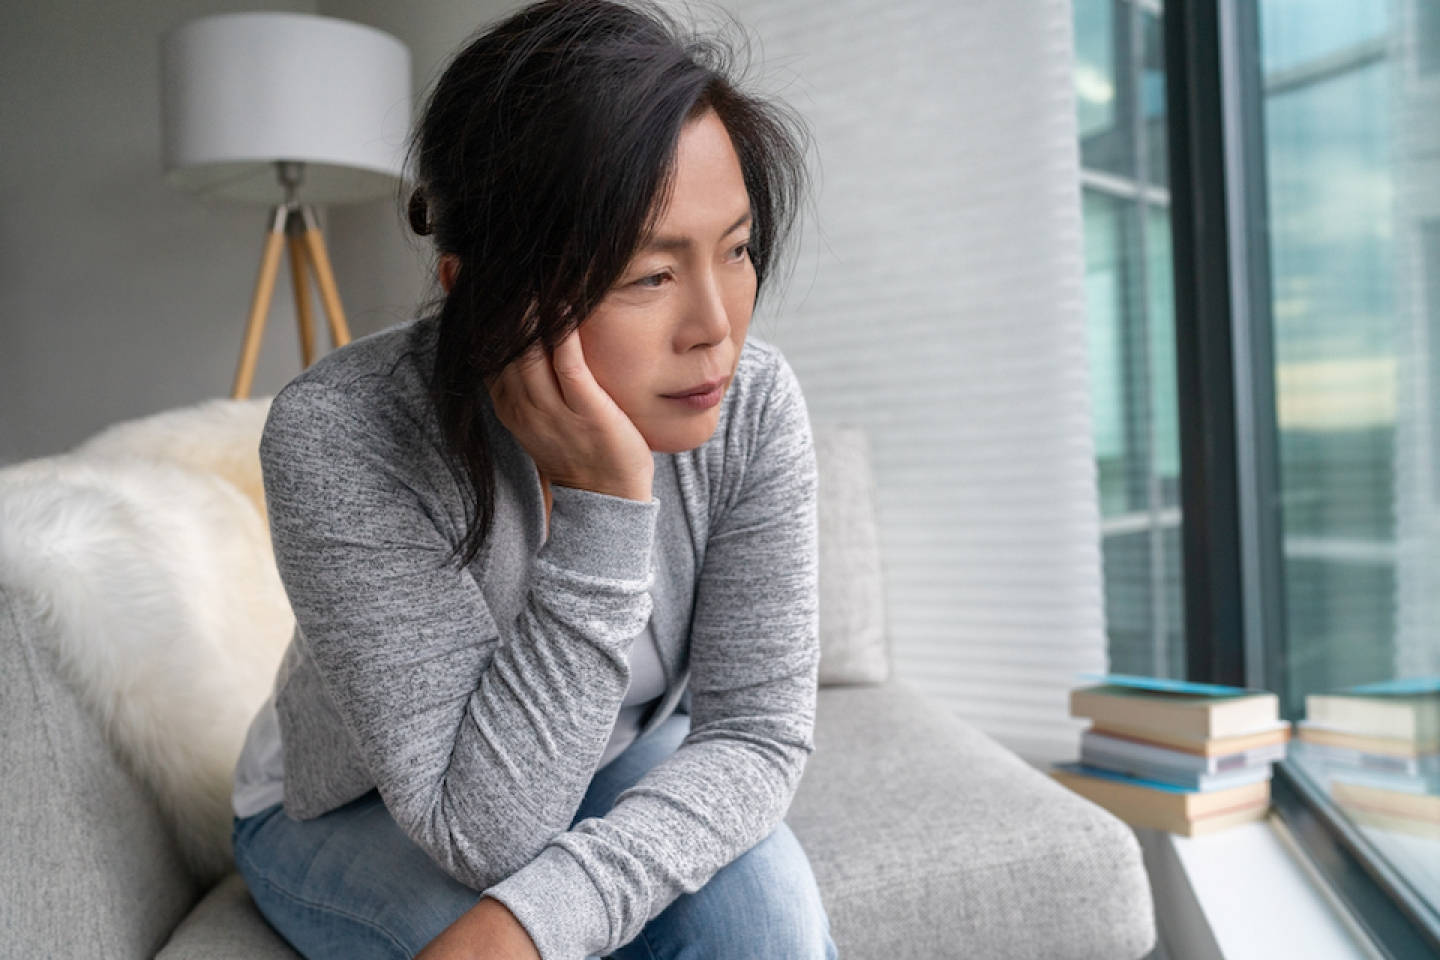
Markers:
<point>1405,686</point>
<point>1162,685</point>
<point>1088,771</point>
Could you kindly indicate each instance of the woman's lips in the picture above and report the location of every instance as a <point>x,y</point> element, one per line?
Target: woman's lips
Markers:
<point>700,398</point>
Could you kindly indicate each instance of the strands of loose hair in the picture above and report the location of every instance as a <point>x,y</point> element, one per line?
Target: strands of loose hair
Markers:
<point>543,157</point>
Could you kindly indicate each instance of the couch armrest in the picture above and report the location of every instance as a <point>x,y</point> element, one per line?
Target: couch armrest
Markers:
<point>928,839</point>
<point>91,866</point>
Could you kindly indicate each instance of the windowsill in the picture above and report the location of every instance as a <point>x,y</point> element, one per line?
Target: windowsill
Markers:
<point>1241,894</point>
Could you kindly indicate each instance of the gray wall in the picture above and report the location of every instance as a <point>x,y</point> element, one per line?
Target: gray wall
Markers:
<point>120,296</point>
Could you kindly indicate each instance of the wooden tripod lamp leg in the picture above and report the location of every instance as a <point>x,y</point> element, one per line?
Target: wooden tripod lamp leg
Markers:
<point>325,278</point>
<point>260,305</point>
<point>299,280</point>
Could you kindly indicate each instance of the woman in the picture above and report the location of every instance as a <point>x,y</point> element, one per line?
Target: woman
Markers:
<point>551,550</point>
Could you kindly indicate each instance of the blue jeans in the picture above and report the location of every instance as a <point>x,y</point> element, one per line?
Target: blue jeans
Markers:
<point>350,884</point>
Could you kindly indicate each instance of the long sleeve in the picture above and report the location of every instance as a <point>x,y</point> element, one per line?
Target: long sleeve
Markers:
<point>754,659</point>
<point>480,737</point>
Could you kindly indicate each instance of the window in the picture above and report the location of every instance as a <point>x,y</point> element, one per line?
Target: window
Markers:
<point>1305,215</point>
<point>1351,116</point>
<point>1120,104</point>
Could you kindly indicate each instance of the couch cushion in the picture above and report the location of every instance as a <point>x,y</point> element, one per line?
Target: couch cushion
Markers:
<point>853,641</point>
<point>227,926</point>
<point>928,839</point>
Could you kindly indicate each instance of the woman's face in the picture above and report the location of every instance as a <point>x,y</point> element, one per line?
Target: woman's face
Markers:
<point>678,316</point>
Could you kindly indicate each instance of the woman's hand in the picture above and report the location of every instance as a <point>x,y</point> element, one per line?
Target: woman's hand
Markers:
<point>573,430</point>
<point>487,931</point>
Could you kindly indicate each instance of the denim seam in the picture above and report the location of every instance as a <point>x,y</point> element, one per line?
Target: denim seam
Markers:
<point>315,905</point>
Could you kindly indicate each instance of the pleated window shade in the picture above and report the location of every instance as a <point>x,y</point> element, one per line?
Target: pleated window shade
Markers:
<point>938,301</point>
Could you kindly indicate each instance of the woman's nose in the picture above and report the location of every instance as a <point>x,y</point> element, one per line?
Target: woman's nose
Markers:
<point>707,320</point>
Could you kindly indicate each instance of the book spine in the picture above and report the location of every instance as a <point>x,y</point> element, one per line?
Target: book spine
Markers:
<point>1187,779</point>
<point>1384,763</point>
<point>1163,756</point>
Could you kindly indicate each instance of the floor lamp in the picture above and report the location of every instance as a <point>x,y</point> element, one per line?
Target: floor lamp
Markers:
<point>260,107</point>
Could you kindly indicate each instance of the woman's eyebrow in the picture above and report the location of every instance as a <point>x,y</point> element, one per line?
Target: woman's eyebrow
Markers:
<point>666,244</point>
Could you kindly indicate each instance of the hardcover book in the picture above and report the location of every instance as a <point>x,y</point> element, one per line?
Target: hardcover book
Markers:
<point>1395,747</point>
<point>1181,769</point>
<point>1385,764</point>
<point>1392,823</point>
<point>1413,717</point>
<point>1396,803</point>
<point>1278,732</point>
<point>1194,710</point>
<point>1420,806</point>
<point>1147,803</point>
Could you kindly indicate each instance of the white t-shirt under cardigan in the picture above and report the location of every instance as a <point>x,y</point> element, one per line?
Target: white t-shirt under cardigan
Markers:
<point>479,701</point>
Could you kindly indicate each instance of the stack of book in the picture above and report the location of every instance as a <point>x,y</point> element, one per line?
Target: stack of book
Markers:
<point>1190,758</point>
<point>1378,748</point>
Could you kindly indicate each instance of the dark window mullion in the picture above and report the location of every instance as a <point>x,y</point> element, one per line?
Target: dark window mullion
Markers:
<point>1214,621</point>
<point>1258,481</point>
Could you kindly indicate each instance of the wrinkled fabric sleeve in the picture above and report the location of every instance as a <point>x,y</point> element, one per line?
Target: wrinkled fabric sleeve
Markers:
<point>480,737</point>
<point>754,660</point>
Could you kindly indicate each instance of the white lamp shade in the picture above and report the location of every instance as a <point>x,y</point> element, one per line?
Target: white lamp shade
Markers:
<point>240,91</point>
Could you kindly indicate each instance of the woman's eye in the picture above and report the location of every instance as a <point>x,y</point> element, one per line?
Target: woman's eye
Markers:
<point>652,281</point>
<point>740,252</point>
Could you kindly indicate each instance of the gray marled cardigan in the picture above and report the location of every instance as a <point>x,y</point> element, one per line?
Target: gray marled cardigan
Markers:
<point>478,701</point>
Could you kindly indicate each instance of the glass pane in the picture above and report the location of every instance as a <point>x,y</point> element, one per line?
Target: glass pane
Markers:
<point>1304,34</point>
<point>1351,174</point>
<point>1151,96</point>
<point>1131,318</point>
<point>1103,85</point>
<point>1165,421</point>
<point>1104,304</point>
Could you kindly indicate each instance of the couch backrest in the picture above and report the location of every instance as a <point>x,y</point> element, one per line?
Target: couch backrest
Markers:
<point>854,641</point>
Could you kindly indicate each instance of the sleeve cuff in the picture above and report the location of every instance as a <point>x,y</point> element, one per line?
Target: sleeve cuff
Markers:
<point>600,535</point>
<point>558,905</point>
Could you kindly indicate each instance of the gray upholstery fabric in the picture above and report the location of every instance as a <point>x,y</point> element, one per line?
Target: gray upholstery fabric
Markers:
<point>227,926</point>
<point>853,641</point>
<point>91,869</point>
<point>929,840</point>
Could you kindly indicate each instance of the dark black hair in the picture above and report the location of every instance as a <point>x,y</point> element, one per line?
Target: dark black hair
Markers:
<point>543,158</point>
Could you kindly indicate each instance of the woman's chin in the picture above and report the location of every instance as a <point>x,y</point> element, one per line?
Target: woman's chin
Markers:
<point>679,437</point>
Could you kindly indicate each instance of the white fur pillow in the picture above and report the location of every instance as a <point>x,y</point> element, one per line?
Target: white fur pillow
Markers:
<point>157,578</point>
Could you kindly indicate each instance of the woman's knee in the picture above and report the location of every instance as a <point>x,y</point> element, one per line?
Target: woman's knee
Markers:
<point>765,903</point>
<point>350,879</point>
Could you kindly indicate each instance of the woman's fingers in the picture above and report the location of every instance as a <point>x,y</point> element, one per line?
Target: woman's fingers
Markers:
<point>536,377</point>
<point>575,432</point>
<point>527,380</point>
<point>572,375</point>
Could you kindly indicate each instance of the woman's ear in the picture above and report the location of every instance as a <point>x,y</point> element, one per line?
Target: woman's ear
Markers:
<point>449,267</point>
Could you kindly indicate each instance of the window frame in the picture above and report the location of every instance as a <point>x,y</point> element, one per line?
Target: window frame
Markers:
<point>1230,482</point>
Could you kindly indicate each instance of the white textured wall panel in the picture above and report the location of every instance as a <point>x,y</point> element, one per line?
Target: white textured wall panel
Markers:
<point>940,304</point>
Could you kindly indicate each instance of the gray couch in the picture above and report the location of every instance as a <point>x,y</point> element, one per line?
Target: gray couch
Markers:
<point>929,840</point>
